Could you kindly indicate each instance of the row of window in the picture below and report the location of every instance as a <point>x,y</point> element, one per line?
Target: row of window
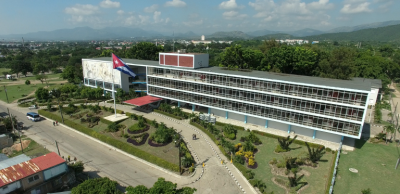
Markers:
<point>283,115</point>
<point>267,99</point>
<point>267,86</point>
<point>100,84</point>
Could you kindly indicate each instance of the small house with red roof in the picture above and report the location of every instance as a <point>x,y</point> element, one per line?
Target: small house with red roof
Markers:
<point>39,175</point>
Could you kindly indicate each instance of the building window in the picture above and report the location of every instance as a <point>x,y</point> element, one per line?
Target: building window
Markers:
<point>33,178</point>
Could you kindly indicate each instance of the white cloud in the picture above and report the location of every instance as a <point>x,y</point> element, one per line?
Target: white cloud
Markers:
<point>79,9</point>
<point>131,20</point>
<point>167,20</point>
<point>229,5</point>
<point>193,23</point>
<point>175,3</point>
<point>156,17</point>
<point>233,15</point>
<point>321,4</point>
<point>109,4</point>
<point>120,12</point>
<point>144,19</point>
<point>359,8</point>
<point>151,9</point>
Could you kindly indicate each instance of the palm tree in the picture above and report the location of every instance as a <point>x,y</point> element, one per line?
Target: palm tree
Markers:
<point>391,116</point>
<point>389,129</point>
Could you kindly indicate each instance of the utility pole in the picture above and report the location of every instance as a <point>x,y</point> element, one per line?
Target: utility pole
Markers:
<point>59,105</point>
<point>57,148</point>
<point>173,42</point>
<point>6,92</point>
<point>20,141</point>
<point>12,123</point>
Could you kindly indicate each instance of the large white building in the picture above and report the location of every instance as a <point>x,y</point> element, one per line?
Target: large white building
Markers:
<point>320,108</point>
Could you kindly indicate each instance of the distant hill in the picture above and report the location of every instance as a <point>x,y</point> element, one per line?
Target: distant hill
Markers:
<point>232,34</point>
<point>188,34</point>
<point>364,26</point>
<point>275,36</point>
<point>383,34</point>
<point>84,33</point>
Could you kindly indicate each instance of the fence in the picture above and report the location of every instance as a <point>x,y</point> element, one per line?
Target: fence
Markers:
<point>335,169</point>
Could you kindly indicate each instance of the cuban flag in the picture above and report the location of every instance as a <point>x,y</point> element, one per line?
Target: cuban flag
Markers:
<point>121,66</point>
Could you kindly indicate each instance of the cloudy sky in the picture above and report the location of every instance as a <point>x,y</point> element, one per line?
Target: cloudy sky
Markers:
<point>199,16</point>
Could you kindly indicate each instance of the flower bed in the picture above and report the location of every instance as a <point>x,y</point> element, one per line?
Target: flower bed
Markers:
<point>144,137</point>
<point>154,144</point>
<point>146,128</point>
<point>254,166</point>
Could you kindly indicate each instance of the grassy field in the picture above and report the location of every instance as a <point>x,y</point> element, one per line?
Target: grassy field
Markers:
<point>316,181</point>
<point>168,152</point>
<point>15,92</point>
<point>34,149</point>
<point>375,164</point>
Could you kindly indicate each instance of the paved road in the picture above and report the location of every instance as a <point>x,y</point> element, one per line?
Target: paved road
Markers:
<point>101,161</point>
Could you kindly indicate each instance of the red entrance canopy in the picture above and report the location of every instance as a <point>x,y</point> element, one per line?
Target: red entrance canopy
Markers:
<point>143,100</point>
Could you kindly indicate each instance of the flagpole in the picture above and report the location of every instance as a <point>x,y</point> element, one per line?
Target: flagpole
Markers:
<point>113,92</point>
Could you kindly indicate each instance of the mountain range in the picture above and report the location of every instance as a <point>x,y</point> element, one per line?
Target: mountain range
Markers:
<point>87,33</point>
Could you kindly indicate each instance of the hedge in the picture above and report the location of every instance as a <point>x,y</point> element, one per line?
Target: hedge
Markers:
<point>299,142</point>
<point>329,180</point>
<point>167,114</point>
<point>26,98</point>
<point>124,146</point>
<point>234,126</point>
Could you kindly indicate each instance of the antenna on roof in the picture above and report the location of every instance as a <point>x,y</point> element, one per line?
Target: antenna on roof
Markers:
<point>173,41</point>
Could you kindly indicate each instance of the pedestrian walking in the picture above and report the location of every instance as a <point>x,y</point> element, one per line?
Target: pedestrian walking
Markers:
<point>74,158</point>
<point>69,158</point>
<point>54,123</point>
<point>57,123</point>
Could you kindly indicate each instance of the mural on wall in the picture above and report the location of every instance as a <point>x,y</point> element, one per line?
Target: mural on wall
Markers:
<point>100,71</point>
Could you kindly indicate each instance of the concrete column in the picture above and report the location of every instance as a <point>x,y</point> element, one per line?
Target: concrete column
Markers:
<point>104,89</point>
<point>193,107</point>
<point>179,104</point>
<point>95,83</point>
<point>209,110</point>
<point>245,118</point>
<point>314,135</point>
<point>342,138</point>
<point>226,115</point>
<point>290,126</point>
<point>266,123</point>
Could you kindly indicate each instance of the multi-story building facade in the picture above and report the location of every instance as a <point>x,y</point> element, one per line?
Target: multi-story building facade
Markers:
<point>320,108</point>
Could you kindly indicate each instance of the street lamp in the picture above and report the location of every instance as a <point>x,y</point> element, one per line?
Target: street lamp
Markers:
<point>178,142</point>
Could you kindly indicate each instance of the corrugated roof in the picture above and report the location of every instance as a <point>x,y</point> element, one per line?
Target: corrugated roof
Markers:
<point>47,161</point>
<point>355,84</point>
<point>27,168</point>
<point>13,161</point>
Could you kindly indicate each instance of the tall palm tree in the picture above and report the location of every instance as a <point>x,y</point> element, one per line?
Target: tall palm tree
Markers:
<point>389,129</point>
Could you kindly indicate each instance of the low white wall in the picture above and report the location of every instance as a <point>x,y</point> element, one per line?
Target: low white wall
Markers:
<point>236,116</point>
<point>256,121</point>
<point>328,136</point>
<point>302,131</point>
<point>218,112</point>
<point>277,125</point>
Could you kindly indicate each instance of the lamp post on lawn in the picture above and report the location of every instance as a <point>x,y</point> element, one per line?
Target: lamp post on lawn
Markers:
<point>179,153</point>
<point>5,90</point>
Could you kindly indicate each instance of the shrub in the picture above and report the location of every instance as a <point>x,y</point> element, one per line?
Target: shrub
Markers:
<point>27,82</point>
<point>238,159</point>
<point>163,134</point>
<point>138,128</point>
<point>251,162</point>
<point>281,164</point>
<point>279,149</point>
<point>273,161</point>
<point>238,146</point>
<point>294,170</point>
<point>113,127</point>
<point>231,136</point>
<point>248,146</point>
<point>191,169</point>
<point>249,174</point>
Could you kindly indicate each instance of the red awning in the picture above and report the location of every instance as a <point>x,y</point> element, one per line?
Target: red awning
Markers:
<point>143,100</point>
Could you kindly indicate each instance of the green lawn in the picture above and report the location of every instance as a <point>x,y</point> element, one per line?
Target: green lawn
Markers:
<point>16,91</point>
<point>316,181</point>
<point>375,164</point>
<point>34,149</point>
<point>168,152</point>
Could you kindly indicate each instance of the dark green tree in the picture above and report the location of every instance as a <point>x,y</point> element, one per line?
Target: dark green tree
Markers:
<point>314,155</point>
<point>160,187</point>
<point>97,186</point>
<point>42,94</point>
<point>284,143</point>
